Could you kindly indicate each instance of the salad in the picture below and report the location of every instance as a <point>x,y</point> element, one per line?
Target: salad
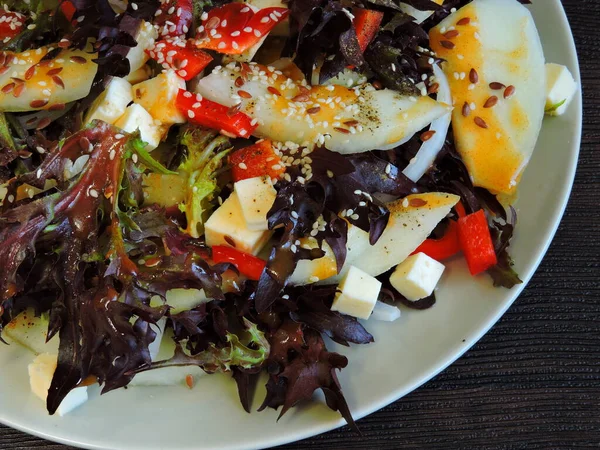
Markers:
<point>213,186</point>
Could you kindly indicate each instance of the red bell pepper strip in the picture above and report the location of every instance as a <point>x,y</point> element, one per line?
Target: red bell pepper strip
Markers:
<point>258,160</point>
<point>476,242</point>
<point>443,248</point>
<point>68,9</point>
<point>234,27</point>
<point>181,56</point>
<point>366,23</point>
<point>175,18</point>
<point>12,23</point>
<point>247,264</point>
<point>460,209</point>
<point>206,113</point>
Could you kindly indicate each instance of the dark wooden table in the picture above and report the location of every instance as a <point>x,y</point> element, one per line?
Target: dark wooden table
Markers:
<point>534,380</point>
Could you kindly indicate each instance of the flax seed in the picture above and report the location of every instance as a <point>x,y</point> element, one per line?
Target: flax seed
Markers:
<point>480,122</point>
<point>473,76</point>
<point>38,103</point>
<point>244,94</point>
<point>447,44</point>
<point>509,91</point>
<point>490,102</point>
<point>464,21</point>
<point>451,34</point>
<point>58,81</point>
<point>466,110</point>
<point>78,59</point>
<point>496,86</point>
<point>313,110</point>
<point>427,135</point>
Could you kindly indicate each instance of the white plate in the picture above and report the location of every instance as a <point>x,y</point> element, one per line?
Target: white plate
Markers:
<point>406,354</point>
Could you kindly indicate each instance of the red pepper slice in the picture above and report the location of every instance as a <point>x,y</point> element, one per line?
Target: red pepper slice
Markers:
<point>235,27</point>
<point>175,18</point>
<point>366,23</point>
<point>460,209</point>
<point>476,242</point>
<point>11,25</point>
<point>68,9</point>
<point>443,248</point>
<point>258,160</point>
<point>206,113</point>
<point>181,56</point>
<point>247,264</point>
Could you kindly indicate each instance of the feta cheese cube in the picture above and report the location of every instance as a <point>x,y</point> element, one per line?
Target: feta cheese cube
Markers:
<point>41,371</point>
<point>112,103</point>
<point>358,296</point>
<point>145,38</point>
<point>157,95</point>
<point>417,276</point>
<point>226,226</point>
<point>256,196</point>
<point>137,118</point>
<point>560,89</point>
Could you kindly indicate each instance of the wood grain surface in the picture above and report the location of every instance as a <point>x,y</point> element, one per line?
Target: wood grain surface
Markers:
<point>534,380</point>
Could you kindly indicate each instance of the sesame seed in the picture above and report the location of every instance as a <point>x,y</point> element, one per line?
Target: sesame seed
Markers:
<point>134,6</point>
<point>354,216</point>
<point>242,166</point>
<point>93,193</point>
<point>314,279</point>
<point>119,136</point>
<point>41,150</point>
<point>11,198</point>
<point>294,214</point>
<point>191,114</point>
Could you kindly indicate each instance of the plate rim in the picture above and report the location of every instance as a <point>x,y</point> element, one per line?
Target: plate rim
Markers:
<point>395,395</point>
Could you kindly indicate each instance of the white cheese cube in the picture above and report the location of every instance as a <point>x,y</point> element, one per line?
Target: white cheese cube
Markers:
<point>417,276</point>
<point>145,38</point>
<point>158,95</point>
<point>137,118</point>
<point>560,89</point>
<point>385,312</point>
<point>41,371</point>
<point>256,196</point>
<point>358,296</point>
<point>226,226</point>
<point>112,103</point>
